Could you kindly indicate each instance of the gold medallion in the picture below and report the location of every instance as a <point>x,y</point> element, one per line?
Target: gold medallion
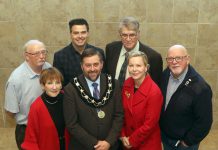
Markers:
<point>101,114</point>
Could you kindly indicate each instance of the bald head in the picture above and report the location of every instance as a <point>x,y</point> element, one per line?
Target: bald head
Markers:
<point>180,48</point>
<point>32,43</point>
<point>177,60</point>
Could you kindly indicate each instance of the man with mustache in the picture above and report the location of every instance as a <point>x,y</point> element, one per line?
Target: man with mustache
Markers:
<point>67,60</point>
<point>186,116</point>
<point>92,106</point>
<point>23,86</point>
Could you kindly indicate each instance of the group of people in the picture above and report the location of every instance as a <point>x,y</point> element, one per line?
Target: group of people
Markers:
<point>117,99</point>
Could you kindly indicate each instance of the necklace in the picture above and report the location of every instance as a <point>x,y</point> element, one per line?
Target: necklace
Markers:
<point>91,100</point>
<point>50,100</point>
<point>52,103</point>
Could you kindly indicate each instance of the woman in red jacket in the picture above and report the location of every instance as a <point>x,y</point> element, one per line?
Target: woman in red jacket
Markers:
<point>46,128</point>
<point>142,101</point>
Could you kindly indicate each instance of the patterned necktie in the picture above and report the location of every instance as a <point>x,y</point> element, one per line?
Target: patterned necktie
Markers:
<point>96,93</point>
<point>122,74</point>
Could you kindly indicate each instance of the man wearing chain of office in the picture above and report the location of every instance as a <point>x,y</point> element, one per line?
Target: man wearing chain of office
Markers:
<point>92,106</point>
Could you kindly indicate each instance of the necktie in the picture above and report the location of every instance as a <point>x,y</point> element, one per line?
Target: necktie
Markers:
<point>122,74</point>
<point>96,93</point>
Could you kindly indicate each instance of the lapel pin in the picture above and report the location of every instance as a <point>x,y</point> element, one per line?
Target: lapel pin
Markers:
<point>127,94</point>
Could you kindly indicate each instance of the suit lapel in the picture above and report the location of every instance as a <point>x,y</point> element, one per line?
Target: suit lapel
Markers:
<point>115,59</point>
<point>102,84</point>
<point>142,93</point>
<point>84,84</point>
<point>129,93</point>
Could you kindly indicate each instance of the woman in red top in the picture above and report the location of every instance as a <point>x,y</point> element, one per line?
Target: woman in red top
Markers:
<point>142,102</point>
<point>46,128</point>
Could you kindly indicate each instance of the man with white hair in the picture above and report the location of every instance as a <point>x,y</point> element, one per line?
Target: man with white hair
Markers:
<point>117,52</point>
<point>186,116</point>
<point>23,86</point>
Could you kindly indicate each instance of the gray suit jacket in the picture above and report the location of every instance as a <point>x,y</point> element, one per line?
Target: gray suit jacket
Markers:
<point>81,119</point>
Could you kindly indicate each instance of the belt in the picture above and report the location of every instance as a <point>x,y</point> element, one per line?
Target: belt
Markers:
<point>21,125</point>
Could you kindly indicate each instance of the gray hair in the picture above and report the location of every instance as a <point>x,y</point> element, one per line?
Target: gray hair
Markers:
<point>178,46</point>
<point>32,42</point>
<point>130,23</point>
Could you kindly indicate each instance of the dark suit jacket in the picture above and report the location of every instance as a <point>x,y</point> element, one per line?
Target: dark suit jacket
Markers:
<point>154,59</point>
<point>189,114</point>
<point>67,61</point>
<point>84,126</point>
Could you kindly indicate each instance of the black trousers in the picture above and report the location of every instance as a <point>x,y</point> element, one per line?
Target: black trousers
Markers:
<point>20,134</point>
<point>120,147</point>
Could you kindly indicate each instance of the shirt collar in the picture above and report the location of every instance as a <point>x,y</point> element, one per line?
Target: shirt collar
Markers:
<point>181,77</point>
<point>30,72</point>
<point>123,50</point>
<point>89,82</point>
<point>76,51</point>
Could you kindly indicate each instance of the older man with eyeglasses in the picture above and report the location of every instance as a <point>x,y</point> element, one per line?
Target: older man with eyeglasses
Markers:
<point>186,116</point>
<point>23,87</point>
<point>116,52</point>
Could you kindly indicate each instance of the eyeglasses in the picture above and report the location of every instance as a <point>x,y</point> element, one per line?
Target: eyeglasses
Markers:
<point>37,54</point>
<point>177,59</point>
<point>131,36</point>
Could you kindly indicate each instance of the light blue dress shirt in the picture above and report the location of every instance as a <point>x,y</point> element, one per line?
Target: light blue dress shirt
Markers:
<point>22,88</point>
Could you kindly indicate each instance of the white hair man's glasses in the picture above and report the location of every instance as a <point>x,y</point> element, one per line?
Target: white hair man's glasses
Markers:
<point>177,59</point>
<point>37,54</point>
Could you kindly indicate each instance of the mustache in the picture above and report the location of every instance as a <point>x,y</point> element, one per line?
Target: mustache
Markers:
<point>92,71</point>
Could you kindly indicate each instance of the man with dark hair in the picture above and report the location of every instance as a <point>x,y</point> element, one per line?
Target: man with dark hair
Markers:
<point>92,106</point>
<point>67,60</point>
<point>79,21</point>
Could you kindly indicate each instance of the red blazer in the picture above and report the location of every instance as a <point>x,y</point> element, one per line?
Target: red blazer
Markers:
<point>41,133</point>
<point>141,114</point>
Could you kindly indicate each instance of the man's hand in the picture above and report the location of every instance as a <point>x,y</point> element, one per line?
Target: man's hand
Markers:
<point>102,145</point>
<point>125,141</point>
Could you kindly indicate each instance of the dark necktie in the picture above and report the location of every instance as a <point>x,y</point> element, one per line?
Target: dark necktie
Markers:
<point>96,93</point>
<point>122,74</point>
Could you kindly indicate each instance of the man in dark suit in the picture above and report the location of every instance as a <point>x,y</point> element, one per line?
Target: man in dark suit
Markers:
<point>186,116</point>
<point>67,60</point>
<point>115,51</point>
<point>92,106</point>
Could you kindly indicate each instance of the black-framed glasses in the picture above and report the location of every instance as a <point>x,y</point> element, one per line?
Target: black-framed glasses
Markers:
<point>37,54</point>
<point>131,36</point>
<point>177,59</point>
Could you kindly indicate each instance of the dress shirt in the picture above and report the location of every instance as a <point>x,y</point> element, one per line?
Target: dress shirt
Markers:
<point>91,88</point>
<point>22,88</point>
<point>173,84</point>
<point>122,58</point>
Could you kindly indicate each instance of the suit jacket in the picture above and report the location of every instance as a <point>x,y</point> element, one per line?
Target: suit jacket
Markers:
<point>154,59</point>
<point>188,115</point>
<point>141,114</point>
<point>82,122</point>
<point>41,132</point>
<point>67,61</point>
